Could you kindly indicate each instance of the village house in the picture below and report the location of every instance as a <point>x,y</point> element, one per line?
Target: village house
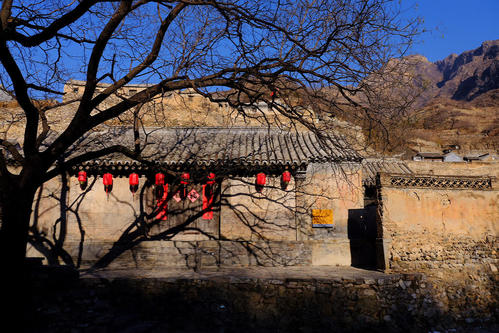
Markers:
<point>280,198</point>
<point>239,195</point>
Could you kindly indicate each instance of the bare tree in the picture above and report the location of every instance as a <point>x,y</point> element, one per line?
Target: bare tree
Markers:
<point>231,51</point>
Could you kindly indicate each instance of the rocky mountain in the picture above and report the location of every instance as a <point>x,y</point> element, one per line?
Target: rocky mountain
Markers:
<point>462,77</point>
<point>456,101</point>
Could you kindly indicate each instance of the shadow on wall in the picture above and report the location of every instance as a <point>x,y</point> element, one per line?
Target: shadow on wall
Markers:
<point>362,236</point>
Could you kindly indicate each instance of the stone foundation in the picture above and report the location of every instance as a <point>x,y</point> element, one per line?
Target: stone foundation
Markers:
<point>410,253</point>
<point>202,254</point>
<point>443,300</point>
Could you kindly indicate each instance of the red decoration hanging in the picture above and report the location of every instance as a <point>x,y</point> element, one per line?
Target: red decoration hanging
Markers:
<point>211,178</point>
<point>286,176</point>
<point>160,185</point>
<point>208,196</point>
<point>134,179</point>
<point>208,201</point>
<point>134,182</point>
<point>107,180</point>
<point>160,179</point>
<point>82,179</point>
<point>162,205</point>
<point>261,179</point>
<point>184,181</point>
<point>285,179</point>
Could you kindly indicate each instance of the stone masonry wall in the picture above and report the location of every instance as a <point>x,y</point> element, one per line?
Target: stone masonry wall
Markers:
<point>436,301</point>
<point>155,255</point>
<point>424,228</point>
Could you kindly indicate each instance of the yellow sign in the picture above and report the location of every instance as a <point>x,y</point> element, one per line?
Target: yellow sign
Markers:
<point>322,218</point>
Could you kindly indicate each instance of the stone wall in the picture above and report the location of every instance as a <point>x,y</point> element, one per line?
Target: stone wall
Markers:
<point>438,222</point>
<point>446,302</point>
<point>153,255</point>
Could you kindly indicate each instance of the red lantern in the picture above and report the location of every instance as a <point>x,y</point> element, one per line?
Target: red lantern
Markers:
<point>82,179</point>
<point>286,176</point>
<point>107,180</point>
<point>285,179</point>
<point>134,182</point>
<point>160,179</point>
<point>184,180</point>
<point>160,185</point>
<point>261,179</point>
<point>211,178</point>
<point>134,179</point>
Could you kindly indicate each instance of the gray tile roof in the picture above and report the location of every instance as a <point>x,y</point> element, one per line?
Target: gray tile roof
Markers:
<point>371,166</point>
<point>226,146</point>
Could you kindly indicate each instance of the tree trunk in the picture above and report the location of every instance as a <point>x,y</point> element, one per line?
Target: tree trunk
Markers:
<point>15,207</point>
<point>16,212</point>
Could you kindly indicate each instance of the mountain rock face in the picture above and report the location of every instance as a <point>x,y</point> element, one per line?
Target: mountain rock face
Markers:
<point>465,76</point>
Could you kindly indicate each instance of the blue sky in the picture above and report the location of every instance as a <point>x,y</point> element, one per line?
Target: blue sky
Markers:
<point>455,25</point>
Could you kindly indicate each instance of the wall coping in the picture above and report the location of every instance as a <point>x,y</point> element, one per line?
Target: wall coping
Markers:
<point>437,182</point>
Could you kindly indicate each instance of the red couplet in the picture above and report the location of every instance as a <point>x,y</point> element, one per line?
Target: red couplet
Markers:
<point>162,205</point>
<point>208,201</point>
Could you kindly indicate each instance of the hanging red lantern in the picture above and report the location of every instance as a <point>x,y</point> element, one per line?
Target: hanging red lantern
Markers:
<point>261,179</point>
<point>160,179</point>
<point>210,182</point>
<point>134,182</point>
<point>211,178</point>
<point>285,179</point>
<point>160,185</point>
<point>184,181</point>
<point>107,180</point>
<point>82,179</point>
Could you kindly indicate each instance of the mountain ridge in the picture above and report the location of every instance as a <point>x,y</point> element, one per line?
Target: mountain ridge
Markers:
<point>465,76</point>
